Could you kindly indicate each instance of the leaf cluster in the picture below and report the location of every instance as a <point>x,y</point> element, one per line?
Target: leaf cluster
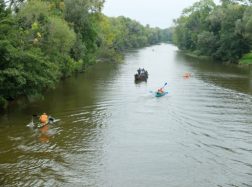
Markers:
<point>220,31</point>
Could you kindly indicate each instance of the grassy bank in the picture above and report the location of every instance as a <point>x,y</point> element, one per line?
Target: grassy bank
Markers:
<point>246,59</point>
<point>196,55</point>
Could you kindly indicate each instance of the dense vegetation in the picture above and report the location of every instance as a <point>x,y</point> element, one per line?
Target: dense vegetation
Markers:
<point>223,32</point>
<point>42,41</point>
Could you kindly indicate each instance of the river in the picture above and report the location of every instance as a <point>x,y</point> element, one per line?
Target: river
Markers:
<point>113,132</point>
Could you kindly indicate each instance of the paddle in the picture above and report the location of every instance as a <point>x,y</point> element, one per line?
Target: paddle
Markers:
<point>31,124</point>
<point>51,119</point>
<point>164,85</point>
<point>160,88</point>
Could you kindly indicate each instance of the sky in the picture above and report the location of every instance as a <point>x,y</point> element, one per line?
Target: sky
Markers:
<point>156,13</point>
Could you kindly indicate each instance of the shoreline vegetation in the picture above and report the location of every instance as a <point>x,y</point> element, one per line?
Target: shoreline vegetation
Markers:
<point>45,41</point>
<point>222,31</point>
<point>246,59</point>
<point>195,55</point>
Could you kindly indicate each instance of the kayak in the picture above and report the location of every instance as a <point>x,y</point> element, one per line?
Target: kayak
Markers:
<point>50,121</point>
<point>157,94</point>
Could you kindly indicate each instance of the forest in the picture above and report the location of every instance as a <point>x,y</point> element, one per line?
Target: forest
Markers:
<point>222,32</point>
<point>44,41</point>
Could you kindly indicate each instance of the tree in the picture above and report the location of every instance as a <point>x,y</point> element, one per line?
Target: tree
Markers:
<point>247,24</point>
<point>50,33</point>
<point>191,23</point>
<point>207,43</point>
<point>84,15</point>
<point>218,31</point>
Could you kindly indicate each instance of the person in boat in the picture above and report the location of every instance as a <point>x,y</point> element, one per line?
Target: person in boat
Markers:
<point>146,73</point>
<point>139,71</point>
<point>187,75</point>
<point>160,91</point>
<point>43,119</point>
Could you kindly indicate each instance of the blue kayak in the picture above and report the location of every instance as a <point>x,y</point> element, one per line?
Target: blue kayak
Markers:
<point>157,94</point>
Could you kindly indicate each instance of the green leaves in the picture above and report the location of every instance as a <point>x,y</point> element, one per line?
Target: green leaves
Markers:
<point>60,37</point>
<point>222,32</point>
<point>24,72</point>
<point>42,41</point>
<point>122,33</point>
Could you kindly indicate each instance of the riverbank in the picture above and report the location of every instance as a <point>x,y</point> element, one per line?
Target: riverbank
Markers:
<point>246,59</point>
<point>195,55</point>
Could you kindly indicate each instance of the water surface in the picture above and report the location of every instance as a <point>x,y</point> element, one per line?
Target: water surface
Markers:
<point>114,132</point>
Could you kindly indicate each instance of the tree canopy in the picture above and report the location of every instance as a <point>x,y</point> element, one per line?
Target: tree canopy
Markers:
<point>42,41</point>
<point>220,31</point>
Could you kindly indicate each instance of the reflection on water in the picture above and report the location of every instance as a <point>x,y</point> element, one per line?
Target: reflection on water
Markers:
<point>113,132</point>
<point>44,136</point>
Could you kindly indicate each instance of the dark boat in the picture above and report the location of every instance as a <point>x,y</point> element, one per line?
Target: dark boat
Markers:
<point>141,75</point>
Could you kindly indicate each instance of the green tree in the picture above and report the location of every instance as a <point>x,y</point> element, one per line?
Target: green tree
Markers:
<point>50,33</point>
<point>246,24</point>
<point>218,31</point>
<point>84,15</point>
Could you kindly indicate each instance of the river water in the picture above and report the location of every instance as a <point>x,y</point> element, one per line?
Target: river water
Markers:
<point>113,132</point>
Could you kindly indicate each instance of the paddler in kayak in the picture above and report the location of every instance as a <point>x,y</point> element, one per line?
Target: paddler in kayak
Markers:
<point>160,91</point>
<point>187,75</point>
<point>43,119</point>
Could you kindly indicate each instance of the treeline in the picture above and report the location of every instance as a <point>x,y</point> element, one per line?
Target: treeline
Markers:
<point>42,41</point>
<point>121,33</point>
<point>223,32</point>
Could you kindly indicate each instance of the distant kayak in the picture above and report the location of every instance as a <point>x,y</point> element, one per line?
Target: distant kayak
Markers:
<point>157,94</point>
<point>187,75</point>
<point>160,92</point>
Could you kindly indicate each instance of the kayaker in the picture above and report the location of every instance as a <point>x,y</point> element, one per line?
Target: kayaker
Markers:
<point>187,75</point>
<point>43,119</point>
<point>160,90</point>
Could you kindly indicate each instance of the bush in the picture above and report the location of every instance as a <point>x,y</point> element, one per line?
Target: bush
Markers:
<point>3,103</point>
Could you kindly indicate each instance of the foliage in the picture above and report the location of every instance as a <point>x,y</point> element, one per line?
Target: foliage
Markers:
<point>83,15</point>
<point>222,32</point>
<point>246,24</point>
<point>121,33</point>
<point>246,59</point>
<point>42,41</point>
<point>60,38</point>
<point>24,72</point>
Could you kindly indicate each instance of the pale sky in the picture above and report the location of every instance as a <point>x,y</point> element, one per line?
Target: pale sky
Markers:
<point>156,13</point>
